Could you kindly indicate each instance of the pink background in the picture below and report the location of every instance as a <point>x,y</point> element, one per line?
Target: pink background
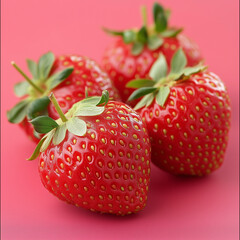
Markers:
<point>178,208</point>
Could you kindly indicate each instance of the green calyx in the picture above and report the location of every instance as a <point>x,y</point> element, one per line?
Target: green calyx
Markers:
<point>162,79</point>
<point>35,90</point>
<point>150,36</point>
<point>55,131</point>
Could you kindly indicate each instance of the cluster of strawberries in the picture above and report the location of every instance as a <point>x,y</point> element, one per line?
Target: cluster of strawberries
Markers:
<point>96,153</point>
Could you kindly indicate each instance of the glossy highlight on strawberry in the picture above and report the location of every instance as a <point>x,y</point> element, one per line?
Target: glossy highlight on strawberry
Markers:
<point>107,168</point>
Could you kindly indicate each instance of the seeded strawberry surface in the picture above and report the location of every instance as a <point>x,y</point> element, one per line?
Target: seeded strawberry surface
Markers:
<point>189,133</point>
<point>106,170</point>
<point>123,67</point>
<point>86,74</point>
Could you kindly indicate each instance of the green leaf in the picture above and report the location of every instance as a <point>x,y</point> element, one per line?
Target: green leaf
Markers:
<point>129,36</point>
<point>87,107</point>
<point>90,101</point>
<point>178,62</point>
<point>47,141</point>
<point>187,72</point>
<point>76,126</point>
<point>160,18</point>
<point>21,88</point>
<point>138,83</point>
<point>59,77</point>
<point>45,64</point>
<point>162,95</point>
<point>36,134</point>
<point>43,124</point>
<point>104,99</point>
<point>159,68</point>
<point>18,112</point>
<point>37,106</point>
<point>88,110</point>
<point>141,92</point>
<point>59,134</point>
<point>154,42</point>
<point>37,149</point>
<point>142,35</point>
<point>137,48</point>
<point>143,102</point>
<point>33,68</point>
<point>113,32</point>
<point>171,32</point>
<point>191,70</point>
<point>150,99</point>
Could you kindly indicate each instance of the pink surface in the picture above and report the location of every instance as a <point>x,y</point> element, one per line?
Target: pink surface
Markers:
<point>178,208</point>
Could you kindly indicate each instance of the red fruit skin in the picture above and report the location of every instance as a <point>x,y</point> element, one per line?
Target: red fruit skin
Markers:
<point>189,134</point>
<point>86,73</point>
<point>108,169</point>
<point>123,67</point>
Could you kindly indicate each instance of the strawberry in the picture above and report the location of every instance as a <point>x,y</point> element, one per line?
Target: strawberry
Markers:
<point>96,156</point>
<point>67,77</point>
<point>187,113</point>
<point>134,52</point>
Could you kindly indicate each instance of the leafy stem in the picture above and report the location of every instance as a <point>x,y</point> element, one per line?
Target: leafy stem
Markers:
<point>55,131</point>
<point>149,36</point>
<point>27,78</point>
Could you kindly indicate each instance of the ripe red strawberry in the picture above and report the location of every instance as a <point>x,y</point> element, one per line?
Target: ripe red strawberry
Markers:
<point>96,157</point>
<point>187,114</point>
<point>132,55</point>
<point>67,77</point>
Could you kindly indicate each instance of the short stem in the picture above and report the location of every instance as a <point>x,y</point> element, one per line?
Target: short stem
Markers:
<point>86,92</point>
<point>144,16</point>
<point>57,107</point>
<point>27,78</point>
